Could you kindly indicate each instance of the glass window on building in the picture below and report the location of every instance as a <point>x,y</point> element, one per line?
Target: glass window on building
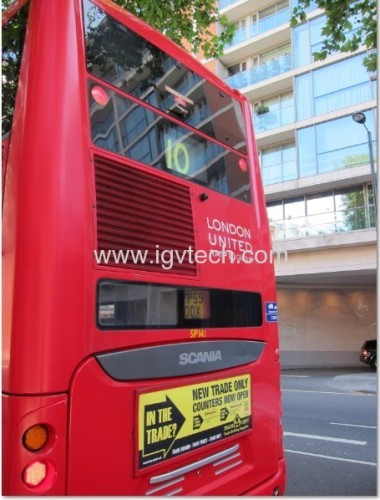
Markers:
<point>269,11</point>
<point>271,164</point>
<point>283,13</point>
<point>301,44</point>
<point>274,16</point>
<point>285,51</point>
<point>295,217</point>
<point>287,108</point>
<point>307,158</point>
<point>275,54</point>
<point>279,164</point>
<point>237,68</point>
<point>350,209</point>
<point>274,62</point>
<point>340,144</point>
<point>274,112</point>
<point>334,145</point>
<point>340,85</point>
<point>275,212</point>
<point>289,162</point>
<point>308,38</point>
<point>319,214</point>
<point>271,55</point>
<point>333,87</point>
<point>304,96</point>
<point>316,37</point>
<point>371,207</point>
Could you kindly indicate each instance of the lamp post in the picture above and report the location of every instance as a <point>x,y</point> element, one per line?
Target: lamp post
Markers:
<point>361,118</point>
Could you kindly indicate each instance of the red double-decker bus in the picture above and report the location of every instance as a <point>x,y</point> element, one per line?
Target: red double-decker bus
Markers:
<point>140,344</point>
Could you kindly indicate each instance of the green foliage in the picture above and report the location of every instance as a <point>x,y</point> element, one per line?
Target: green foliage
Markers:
<point>261,109</point>
<point>183,21</point>
<point>13,35</point>
<point>349,25</point>
<point>354,214</point>
<point>186,22</point>
<point>354,160</point>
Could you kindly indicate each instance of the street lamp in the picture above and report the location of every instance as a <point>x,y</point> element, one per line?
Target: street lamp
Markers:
<point>361,118</point>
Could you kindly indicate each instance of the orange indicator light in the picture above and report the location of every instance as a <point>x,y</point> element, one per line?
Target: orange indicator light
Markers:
<point>35,437</point>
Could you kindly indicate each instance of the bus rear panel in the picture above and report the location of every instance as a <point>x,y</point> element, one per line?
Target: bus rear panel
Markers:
<point>140,342</point>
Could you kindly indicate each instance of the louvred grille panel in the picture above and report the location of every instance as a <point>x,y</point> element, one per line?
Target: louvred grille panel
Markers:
<point>137,211</point>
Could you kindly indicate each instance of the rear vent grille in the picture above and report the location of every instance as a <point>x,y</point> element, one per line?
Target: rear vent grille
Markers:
<point>143,214</point>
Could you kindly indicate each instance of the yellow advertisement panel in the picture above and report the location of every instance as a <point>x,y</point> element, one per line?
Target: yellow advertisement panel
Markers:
<point>175,421</point>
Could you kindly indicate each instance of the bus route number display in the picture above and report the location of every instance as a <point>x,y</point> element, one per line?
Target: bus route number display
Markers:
<point>177,157</point>
<point>196,304</point>
<point>175,421</point>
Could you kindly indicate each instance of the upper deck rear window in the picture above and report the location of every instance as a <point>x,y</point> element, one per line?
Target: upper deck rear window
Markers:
<point>126,60</point>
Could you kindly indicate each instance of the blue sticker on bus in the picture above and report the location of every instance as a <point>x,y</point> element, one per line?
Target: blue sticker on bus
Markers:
<point>271,312</point>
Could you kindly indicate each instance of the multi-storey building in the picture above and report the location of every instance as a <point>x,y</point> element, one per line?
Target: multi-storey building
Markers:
<point>316,172</point>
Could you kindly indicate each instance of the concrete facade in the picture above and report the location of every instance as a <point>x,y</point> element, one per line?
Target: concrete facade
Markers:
<point>323,327</point>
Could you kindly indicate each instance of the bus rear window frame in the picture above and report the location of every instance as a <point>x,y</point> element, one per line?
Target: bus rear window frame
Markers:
<point>179,325</point>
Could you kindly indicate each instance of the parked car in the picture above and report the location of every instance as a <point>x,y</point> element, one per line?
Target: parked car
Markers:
<point>368,353</point>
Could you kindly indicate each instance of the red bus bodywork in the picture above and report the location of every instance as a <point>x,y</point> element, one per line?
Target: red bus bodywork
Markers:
<point>50,337</point>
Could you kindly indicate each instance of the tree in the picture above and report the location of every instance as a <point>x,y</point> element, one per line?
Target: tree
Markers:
<point>349,25</point>
<point>183,21</point>
<point>353,216</point>
<point>186,22</point>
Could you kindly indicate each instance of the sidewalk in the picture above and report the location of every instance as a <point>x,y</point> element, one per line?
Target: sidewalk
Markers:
<point>361,379</point>
<point>361,382</point>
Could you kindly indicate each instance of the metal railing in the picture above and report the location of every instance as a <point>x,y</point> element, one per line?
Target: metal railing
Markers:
<point>274,119</point>
<point>350,219</point>
<point>260,27</point>
<point>263,72</point>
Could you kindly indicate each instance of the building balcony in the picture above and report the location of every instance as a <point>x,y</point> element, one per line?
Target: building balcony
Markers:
<point>257,44</point>
<point>223,4</point>
<point>237,9</point>
<point>273,119</point>
<point>351,219</point>
<point>299,186</point>
<point>260,73</point>
<point>262,26</point>
<point>340,259</point>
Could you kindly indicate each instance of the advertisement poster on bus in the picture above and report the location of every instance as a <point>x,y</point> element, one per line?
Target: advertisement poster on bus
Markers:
<point>175,421</point>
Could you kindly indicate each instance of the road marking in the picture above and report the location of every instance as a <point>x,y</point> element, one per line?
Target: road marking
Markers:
<point>332,458</point>
<point>355,425</point>
<point>328,392</point>
<point>326,438</point>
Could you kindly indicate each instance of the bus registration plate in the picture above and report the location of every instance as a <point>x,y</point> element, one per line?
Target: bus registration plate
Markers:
<point>196,304</point>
